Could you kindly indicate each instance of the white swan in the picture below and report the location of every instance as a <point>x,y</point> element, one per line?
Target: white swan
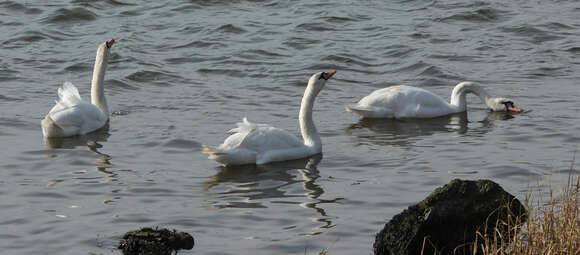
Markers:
<point>411,102</point>
<point>252,143</point>
<point>72,116</point>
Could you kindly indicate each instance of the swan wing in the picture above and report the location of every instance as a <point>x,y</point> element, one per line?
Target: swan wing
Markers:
<point>73,115</point>
<point>259,138</point>
<point>80,118</point>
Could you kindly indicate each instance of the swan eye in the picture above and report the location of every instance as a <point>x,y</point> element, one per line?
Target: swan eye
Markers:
<point>109,43</point>
<point>323,76</point>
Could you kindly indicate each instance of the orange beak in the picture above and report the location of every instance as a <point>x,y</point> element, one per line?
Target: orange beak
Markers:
<point>110,43</point>
<point>513,108</point>
<point>329,74</point>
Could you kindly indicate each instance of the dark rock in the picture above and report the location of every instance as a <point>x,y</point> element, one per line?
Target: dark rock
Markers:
<point>148,241</point>
<point>448,219</point>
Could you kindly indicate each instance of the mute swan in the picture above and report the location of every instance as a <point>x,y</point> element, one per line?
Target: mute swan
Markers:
<point>252,143</point>
<point>72,116</point>
<point>411,102</point>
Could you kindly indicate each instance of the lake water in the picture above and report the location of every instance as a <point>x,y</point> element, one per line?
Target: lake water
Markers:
<point>182,73</point>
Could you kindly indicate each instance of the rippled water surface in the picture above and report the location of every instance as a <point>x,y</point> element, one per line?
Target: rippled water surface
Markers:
<point>182,73</point>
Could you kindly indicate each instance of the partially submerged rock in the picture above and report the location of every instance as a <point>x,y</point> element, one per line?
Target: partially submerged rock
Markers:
<point>148,241</point>
<point>449,218</point>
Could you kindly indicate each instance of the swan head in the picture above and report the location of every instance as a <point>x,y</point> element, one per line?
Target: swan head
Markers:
<point>318,80</point>
<point>501,104</point>
<point>105,47</point>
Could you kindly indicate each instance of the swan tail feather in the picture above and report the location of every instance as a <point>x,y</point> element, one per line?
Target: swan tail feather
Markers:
<point>68,94</point>
<point>357,109</point>
<point>210,151</point>
<point>228,157</point>
<point>245,127</point>
<point>370,112</point>
<point>50,129</point>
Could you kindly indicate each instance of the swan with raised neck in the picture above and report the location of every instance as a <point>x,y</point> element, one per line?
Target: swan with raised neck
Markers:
<point>252,143</point>
<point>307,128</point>
<point>97,88</point>
<point>73,116</point>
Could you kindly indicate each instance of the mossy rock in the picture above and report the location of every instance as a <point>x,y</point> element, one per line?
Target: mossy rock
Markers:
<point>148,241</point>
<point>449,218</point>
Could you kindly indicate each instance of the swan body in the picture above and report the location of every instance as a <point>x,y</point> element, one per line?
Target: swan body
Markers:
<point>253,143</point>
<point>412,102</point>
<point>73,116</point>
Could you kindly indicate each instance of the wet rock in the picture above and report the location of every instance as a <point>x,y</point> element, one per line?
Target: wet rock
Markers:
<point>148,241</point>
<point>449,218</point>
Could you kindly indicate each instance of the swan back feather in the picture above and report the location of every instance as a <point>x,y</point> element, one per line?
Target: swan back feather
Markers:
<point>68,94</point>
<point>251,143</point>
<point>400,102</point>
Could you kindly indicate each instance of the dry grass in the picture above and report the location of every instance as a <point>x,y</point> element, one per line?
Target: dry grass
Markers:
<point>553,227</point>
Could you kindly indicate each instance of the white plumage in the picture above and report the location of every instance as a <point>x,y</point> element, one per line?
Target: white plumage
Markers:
<point>252,143</point>
<point>412,102</point>
<point>73,116</point>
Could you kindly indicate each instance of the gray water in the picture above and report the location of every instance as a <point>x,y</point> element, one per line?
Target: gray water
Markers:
<point>182,73</point>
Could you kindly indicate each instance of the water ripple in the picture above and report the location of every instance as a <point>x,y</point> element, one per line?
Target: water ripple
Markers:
<point>18,7</point>
<point>71,15</point>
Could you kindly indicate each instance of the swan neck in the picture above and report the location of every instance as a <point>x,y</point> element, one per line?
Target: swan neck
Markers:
<point>460,91</point>
<point>97,88</point>
<point>307,128</point>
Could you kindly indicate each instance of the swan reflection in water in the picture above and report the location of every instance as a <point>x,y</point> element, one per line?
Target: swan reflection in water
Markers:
<point>91,140</point>
<point>403,132</point>
<point>99,135</point>
<point>248,186</point>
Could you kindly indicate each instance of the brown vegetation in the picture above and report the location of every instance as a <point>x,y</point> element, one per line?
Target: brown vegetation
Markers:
<point>552,228</point>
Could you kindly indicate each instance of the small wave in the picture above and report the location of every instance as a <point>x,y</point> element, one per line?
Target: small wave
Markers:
<point>78,67</point>
<point>148,76</point>
<point>101,4</point>
<point>339,20</point>
<point>53,195</point>
<point>438,72</point>
<point>9,99</point>
<point>351,59</point>
<point>228,72</point>
<point>14,123</point>
<point>182,144</point>
<point>73,15</point>
<point>229,28</point>
<point>7,74</point>
<point>120,85</point>
<point>267,53</point>
<point>548,72</point>
<point>18,7</point>
<point>573,49</point>
<point>187,8</point>
<point>200,45</point>
<point>25,38</point>
<point>481,15</point>
<point>412,67</point>
<point>300,43</point>
<point>556,26</point>
<point>532,33</point>
<point>316,27</point>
